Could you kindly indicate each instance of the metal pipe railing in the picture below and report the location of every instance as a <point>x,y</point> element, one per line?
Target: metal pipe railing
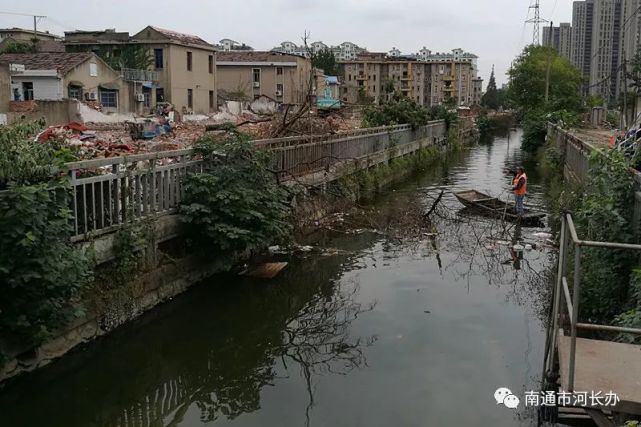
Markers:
<point>572,299</point>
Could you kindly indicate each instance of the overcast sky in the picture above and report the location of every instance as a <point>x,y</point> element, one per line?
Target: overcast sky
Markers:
<point>492,29</point>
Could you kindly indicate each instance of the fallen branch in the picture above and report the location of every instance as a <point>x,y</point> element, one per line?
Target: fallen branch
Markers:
<point>434,205</point>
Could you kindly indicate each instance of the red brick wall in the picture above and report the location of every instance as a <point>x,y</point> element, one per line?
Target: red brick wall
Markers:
<point>22,106</point>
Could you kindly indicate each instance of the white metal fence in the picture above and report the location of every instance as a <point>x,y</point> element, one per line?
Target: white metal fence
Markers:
<point>108,192</point>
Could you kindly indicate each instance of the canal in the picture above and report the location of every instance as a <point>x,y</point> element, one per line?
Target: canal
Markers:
<point>390,320</point>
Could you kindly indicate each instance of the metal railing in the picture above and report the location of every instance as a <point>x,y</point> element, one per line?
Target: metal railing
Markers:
<point>134,75</point>
<point>108,192</point>
<point>563,297</point>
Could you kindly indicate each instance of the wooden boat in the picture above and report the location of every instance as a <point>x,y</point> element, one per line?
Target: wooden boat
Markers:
<point>491,206</point>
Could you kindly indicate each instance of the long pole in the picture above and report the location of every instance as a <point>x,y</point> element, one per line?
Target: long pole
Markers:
<point>547,73</point>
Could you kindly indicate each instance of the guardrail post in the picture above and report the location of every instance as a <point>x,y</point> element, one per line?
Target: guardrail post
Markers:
<point>576,292</point>
<point>557,295</point>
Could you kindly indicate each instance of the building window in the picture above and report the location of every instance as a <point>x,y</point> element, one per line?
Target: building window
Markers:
<point>188,61</point>
<point>211,64</point>
<point>93,69</point>
<point>279,89</point>
<point>75,92</point>
<point>190,98</point>
<point>27,91</point>
<point>211,99</point>
<point>160,94</point>
<point>256,76</point>
<point>279,71</point>
<point>109,98</point>
<point>158,59</point>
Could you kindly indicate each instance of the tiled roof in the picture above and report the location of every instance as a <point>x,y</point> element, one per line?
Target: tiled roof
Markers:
<point>181,37</point>
<point>61,61</point>
<point>253,56</point>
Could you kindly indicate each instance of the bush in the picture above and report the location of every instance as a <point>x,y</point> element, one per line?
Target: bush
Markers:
<point>236,202</point>
<point>40,271</point>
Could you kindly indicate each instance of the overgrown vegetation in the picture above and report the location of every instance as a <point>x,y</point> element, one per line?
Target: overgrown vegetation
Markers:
<point>325,60</point>
<point>41,273</point>
<point>527,92</point>
<point>601,211</point>
<point>399,109</point>
<point>236,202</point>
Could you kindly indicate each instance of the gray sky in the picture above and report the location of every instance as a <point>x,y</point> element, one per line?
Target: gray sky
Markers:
<point>492,29</point>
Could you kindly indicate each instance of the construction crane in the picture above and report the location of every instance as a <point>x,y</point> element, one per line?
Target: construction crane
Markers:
<point>536,21</point>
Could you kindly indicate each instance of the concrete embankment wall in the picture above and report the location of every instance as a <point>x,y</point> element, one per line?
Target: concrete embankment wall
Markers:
<point>163,277</point>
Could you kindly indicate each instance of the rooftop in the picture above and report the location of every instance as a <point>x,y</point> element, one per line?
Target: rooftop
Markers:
<point>254,56</point>
<point>181,37</point>
<point>61,61</point>
<point>23,30</point>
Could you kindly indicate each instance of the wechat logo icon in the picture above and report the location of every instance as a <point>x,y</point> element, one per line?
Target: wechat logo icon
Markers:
<point>504,396</point>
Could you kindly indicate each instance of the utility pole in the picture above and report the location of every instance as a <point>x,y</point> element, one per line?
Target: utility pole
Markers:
<point>547,72</point>
<point>36,18</point>
<point>536,21</point>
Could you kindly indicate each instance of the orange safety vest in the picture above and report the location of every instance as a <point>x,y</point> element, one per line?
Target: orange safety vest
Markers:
<point>521,191</point>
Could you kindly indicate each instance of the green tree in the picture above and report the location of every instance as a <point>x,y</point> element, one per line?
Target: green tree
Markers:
<point>135,57</point>
<point>18,47</point>
<point>527,91</point>
<point>325,60</point>
<point>490,97</point>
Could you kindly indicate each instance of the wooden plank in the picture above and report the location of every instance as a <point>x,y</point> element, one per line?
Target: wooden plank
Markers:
<point>604,366</point>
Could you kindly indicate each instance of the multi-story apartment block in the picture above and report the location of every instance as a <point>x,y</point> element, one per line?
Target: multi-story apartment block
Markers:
<point>429,79</point>
<point>606,34</point>
<point>283,77</point>
<point>343,52</point>
<point>559,38</point>
<point>182,70</point>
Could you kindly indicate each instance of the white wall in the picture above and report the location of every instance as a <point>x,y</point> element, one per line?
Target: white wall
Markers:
<point>43,87</point>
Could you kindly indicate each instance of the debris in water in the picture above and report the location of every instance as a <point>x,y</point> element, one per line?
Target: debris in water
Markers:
<point>268,270</point>
<point>427,312</point>
<point>503,242</point>
<point>528,247</point>
<point>542,236</point>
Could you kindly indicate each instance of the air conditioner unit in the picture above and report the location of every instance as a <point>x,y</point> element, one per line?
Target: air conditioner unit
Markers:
<point>279,93</point>
<point>140,97</point>
<point>91,96</point>
<point>256,84</point>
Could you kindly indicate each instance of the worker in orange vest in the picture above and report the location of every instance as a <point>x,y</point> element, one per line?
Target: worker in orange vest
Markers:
<point>519,186</point>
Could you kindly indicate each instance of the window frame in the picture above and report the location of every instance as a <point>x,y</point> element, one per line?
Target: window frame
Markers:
<point>159,58</point>
<point>190,61</point>
<point>108,92</point>
<point>210,62</point>
<point>190,98</point>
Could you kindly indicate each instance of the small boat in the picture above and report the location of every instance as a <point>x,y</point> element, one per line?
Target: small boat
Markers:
<point>491,206</point>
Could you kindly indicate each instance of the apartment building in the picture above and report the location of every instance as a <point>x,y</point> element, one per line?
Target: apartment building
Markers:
<point>559,38</point>
<point>229,45</point>
<point>429,79</point>
<point>606,34</point>
<point>182,70</point>
<point>252,74</point>
<point>343,52</point>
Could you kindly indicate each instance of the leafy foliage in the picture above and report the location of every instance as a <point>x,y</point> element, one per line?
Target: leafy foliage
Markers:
<point>18,47</point>
<point>526,92</point>
<point>236,202</point>
<point>632,317</point>
<point>129,56</point>
<point>326,61</point>
<point>40,271</point>
<point>400,109</point>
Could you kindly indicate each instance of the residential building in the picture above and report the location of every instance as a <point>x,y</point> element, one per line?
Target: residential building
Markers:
<point>285,78</point>
<point>343,52</point>
<point>327,90</point>
<point>22,34</point>
<point>60,75</point>
<point>559,38</point>
<point>605,36</point>
<point>182,69</point>
<point>429,79</point>
<point>229,45</point>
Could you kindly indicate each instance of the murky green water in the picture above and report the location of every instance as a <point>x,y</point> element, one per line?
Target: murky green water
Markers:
<point>398,328</point>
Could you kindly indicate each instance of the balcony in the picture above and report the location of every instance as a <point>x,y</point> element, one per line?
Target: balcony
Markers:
<point>132,75</point>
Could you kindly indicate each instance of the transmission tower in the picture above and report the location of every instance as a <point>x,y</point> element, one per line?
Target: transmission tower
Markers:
<point>536,21</point>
